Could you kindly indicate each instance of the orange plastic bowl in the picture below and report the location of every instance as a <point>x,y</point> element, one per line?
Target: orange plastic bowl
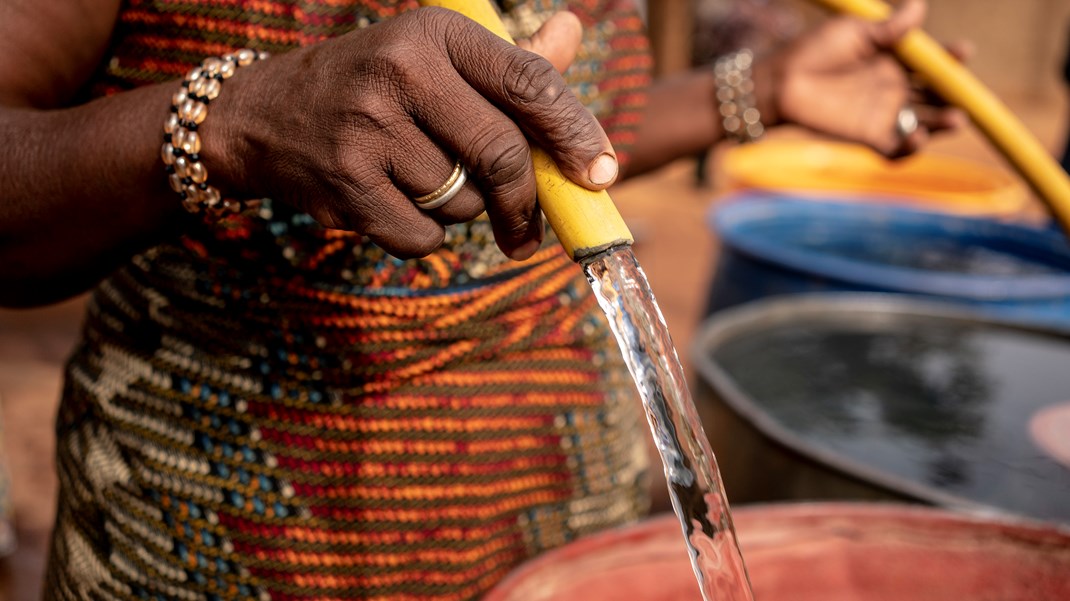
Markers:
<point>816,552</point>
<point>853,172</point>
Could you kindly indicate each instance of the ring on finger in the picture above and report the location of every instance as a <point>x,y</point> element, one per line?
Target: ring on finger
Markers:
<point>446,191</point>
<point>906,121</point>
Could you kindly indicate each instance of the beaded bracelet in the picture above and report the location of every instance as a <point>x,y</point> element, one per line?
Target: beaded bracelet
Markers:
<point>182,144</point>
<point>735,95</point>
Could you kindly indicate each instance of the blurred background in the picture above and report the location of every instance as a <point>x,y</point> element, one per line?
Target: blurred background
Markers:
<point>1021,48</point>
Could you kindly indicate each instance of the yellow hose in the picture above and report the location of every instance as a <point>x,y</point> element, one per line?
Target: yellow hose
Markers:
<point>585,222</point>
<point>957,85</point>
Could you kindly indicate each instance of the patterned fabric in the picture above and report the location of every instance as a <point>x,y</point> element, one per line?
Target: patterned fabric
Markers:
<point>271,410</point>
<point>160,40</point>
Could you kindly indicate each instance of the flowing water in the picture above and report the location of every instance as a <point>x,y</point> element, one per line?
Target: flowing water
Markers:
<point>690,468</point>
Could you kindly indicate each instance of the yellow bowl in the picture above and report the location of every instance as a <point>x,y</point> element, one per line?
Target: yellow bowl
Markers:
<point>839,170</point>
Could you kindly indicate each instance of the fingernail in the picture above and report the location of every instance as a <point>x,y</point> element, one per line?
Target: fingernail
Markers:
<point>525,250</point>
<point>603,170</point>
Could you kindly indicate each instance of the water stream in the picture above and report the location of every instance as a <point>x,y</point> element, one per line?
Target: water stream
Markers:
<point>690,468</point>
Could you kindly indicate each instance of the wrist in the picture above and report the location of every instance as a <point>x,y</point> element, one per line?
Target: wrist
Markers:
<point>201,154</point>
<point>241,129</point>
<point>736,101</point>
<point>223,146</point>
<point>768,75</point>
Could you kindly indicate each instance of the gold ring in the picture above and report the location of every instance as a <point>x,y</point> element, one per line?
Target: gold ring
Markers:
<point>446,191</point>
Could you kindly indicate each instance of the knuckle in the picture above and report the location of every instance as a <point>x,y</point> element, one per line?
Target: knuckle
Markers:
<point>432,17</point>
<point>889,71</point>
<point>328,217</point>
<point>347,185</point>
<point>531,80</point>
<point>577,128</point>
<point>503,158</point>
<point>437,21</point>
<point>397,64</point>
<point>352,171</point>
<point>448,26</point>
<point>443,28</point>
<point>371,115</point>
<point>503,162</point>
<point>509,165</point>
<point>411,62</point>
<point>424,22</point>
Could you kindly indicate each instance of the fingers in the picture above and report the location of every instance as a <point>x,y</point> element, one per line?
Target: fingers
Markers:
<point>390,219</point>
<point>909,15</point>
<point>528,89</point>
<point>421,166</point>
<point>911,143</point>
<point>496,154</point>
<point>936,118</point>
<point>929,120</point>
<point>436,89</point>
<point>404,231</point>
<point>962,50</point>
<point>845,81</point>
<point>418,166</point>
<point>557,40</point>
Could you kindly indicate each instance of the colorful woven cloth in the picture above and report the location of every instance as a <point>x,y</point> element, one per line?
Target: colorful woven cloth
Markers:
<point>267,409</point>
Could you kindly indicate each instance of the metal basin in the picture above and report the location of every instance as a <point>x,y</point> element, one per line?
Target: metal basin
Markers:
<point>841,396</point>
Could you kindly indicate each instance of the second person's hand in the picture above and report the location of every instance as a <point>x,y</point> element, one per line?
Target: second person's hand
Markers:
<point>843,79</point>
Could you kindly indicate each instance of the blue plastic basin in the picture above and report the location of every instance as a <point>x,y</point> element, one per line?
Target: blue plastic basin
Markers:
<point>775,245</point>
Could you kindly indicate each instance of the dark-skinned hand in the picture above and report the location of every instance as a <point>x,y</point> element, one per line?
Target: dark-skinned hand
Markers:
<point>352,129</point>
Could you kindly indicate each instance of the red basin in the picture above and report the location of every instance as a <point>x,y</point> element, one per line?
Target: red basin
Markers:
<point>816,552</point>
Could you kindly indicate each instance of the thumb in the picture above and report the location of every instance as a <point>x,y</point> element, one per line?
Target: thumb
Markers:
<point>909,15</point>
<point>557,40</point>
<point>962,50</point>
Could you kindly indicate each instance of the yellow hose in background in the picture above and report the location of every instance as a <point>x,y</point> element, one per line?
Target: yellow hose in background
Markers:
<point>946,76</point>
<point>585,222</point>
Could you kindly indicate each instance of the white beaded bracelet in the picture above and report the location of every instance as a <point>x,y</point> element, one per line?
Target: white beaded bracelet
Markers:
<point>186,173</point>
<point>735,96</point>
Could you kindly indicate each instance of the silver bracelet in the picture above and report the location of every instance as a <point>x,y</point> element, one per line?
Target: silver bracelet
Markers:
<point>735,96</point>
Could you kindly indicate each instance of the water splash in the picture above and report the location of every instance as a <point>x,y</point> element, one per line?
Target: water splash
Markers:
<point>690,468</point>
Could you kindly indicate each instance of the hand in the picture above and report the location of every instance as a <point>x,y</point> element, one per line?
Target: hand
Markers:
<point>843,80</point>
<point>350,130</point>
<point>557,40</point>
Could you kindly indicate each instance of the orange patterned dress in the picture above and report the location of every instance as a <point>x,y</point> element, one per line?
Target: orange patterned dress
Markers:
<point>266,409</point>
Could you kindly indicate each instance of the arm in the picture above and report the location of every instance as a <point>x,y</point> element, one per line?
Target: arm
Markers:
<point>80,188</point>
<point>349,131</point>
<point>840,79</point>
<point>680,119</point>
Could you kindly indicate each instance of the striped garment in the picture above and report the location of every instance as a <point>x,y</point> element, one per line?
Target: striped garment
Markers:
<point>266,409</point>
